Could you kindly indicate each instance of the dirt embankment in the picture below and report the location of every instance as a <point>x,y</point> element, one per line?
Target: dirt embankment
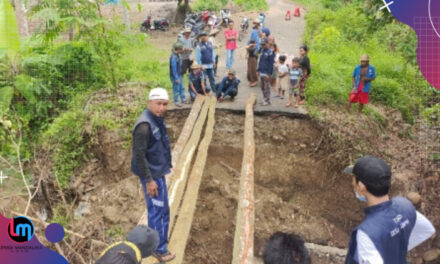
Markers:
<point>299,184</point>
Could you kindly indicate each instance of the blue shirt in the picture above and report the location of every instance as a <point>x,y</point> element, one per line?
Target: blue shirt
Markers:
<point>255,35</point>
<point>371,73</point>
<point>199,54</point>
<point>175,66</point>
<point>267,59</point>
<point>196,80</point>
<point>227,85</point>
<point>295,73</point>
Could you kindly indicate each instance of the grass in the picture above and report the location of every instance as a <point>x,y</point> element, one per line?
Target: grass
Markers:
<point>335,48</point>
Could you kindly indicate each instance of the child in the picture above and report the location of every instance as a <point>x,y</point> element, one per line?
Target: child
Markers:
<point>274,76</point>
<point>252,57</point>
<point>283,79</point>
<point>296,74</point>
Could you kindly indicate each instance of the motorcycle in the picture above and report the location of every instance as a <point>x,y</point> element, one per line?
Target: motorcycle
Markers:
<point>244,25</point>
<point>225,15</point>
<point>214,22</point>
<point>158,24</point>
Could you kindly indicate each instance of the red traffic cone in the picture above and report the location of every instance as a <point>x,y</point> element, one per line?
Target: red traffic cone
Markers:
<point>288,15</point>
<point>297,12</point>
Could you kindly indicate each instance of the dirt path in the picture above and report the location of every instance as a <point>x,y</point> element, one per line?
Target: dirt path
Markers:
<point>288,36</point>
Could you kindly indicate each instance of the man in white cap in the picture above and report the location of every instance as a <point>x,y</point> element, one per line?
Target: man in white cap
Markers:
<point>151,161</point>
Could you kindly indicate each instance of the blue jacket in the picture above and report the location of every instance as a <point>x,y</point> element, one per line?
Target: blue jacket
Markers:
<point>226,86</point>
<point>205,54</point>
<point>175,67</point>
<point>267,59</point>
<point>371,73</point>
<point>255,35</point>
<point>389,226</point>
<point>196,80</point>
<point>158,153</point>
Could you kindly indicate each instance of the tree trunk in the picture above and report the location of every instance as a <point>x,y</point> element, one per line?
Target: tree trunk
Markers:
<point>20,14</point>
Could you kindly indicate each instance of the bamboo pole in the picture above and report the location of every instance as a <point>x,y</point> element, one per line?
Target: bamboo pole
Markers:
<point>244,229</point>
<point>181,231</point>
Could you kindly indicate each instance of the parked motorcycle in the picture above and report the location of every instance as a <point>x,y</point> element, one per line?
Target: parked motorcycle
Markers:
<point>244,25</point>
<point>158,24</point>
<point>214,22</point>
<point>225,15</point>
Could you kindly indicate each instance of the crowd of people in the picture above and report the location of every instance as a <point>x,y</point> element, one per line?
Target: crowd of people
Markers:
<point>265,64</point>
<point>392,226</point>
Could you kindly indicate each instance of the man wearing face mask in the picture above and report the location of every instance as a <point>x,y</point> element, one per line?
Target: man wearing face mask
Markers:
<point>391,227</point>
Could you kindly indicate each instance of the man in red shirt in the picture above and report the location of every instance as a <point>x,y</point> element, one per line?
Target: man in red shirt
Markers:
<point>231,36</point>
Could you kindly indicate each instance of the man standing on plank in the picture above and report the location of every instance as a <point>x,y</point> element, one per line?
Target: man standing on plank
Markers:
<point>391,227</point>
<point>363,74</point>
<point>151,161</point>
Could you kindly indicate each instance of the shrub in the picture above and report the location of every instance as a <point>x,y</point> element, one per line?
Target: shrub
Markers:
<point>338,37</point>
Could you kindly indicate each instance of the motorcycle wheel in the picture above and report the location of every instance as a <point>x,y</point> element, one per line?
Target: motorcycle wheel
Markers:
<point>143,29</point>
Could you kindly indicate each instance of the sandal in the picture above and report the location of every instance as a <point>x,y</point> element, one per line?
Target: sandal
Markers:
<point>165,257</point>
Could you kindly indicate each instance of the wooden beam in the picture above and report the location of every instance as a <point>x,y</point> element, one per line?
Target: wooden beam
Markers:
<point>181,231</point>
<point>181,172</point>
<point>185,133</point>
<point>243,251</point>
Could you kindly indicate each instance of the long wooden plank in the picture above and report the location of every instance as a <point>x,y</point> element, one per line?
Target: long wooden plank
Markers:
<point>180,145</point>
<point>244,229</point>
<point>186,132</point>
<point>181,231</point>
<point>181,172</point>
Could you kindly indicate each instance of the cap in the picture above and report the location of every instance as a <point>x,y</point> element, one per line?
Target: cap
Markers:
<point>256,21</point>
<point>231,71</point>
<point>145,238</point>
<point>194,65</point>
<point>177,45</point>
<point>158,94</point>
<point>203,33</point>
<point>365,57</point>
<point>119,253</point>
<point>369,169</point>
<point>187,30</point>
